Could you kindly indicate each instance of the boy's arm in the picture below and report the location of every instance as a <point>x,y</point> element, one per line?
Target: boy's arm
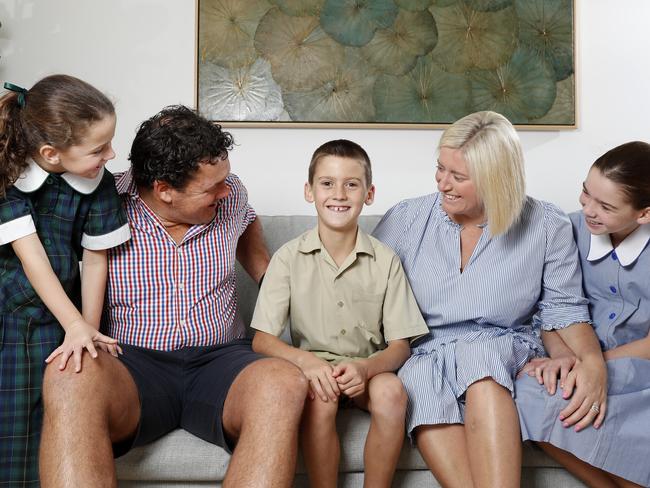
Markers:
<point>251,251</point>
<point>352,377</point>
<point>390,359</point>
<point>79,334</point>
<point>317,370</point>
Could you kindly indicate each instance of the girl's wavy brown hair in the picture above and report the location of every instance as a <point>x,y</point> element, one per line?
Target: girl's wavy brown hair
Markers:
<point>58,111</point>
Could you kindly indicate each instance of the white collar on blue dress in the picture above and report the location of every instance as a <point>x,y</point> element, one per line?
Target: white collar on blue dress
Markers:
<point>627,251</point>
<point>33,177</point>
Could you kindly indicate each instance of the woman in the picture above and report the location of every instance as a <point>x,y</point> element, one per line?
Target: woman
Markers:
<point>612,232</point>
<point>489,268</point>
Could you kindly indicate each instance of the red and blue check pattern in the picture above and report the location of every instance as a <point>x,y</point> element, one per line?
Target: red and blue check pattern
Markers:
<point>162,295</point>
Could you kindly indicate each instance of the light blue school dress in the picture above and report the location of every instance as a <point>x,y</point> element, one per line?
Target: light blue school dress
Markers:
<point>485,321</point>
<point>617,284</point>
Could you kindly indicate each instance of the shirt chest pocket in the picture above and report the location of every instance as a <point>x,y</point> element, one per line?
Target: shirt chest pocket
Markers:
<point>367,308</point>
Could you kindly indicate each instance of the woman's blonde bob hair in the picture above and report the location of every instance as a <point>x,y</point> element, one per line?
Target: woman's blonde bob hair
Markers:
<point>495,161</point>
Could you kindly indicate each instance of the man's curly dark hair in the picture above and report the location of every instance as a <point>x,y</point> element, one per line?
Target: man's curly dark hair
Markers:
<point>170,146</point>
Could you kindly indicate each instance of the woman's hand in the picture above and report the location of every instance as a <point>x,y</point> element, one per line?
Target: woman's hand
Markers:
<point>586,385</point>
<point>547,370</point>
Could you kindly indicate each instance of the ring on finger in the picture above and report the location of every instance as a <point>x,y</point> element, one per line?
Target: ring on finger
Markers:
<point>595,408</point>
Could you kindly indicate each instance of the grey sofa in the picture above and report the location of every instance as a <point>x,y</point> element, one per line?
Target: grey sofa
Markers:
<point>181,460</point>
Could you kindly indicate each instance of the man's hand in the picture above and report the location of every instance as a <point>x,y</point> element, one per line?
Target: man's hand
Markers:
<point>546,370</point>
<point>352,377</point>
<point>321,381</point>
<point>79,336</point>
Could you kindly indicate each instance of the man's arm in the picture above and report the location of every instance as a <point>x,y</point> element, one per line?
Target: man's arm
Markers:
<point>252,252</point>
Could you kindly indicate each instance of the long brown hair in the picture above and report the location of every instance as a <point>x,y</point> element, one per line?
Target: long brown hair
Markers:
<point>57,110</point>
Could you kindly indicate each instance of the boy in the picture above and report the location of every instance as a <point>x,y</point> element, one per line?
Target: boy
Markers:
<point>346,295</point>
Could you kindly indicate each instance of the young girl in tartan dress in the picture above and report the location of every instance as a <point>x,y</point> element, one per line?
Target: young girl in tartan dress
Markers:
<point>57,206</point>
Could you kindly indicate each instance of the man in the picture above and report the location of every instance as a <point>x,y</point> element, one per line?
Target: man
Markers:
<point>171,303</point>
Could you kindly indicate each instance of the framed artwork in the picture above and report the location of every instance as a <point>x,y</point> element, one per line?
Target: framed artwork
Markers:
<point>385,63</point>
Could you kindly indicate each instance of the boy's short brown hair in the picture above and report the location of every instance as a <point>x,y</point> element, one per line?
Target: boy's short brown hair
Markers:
<point>342,148</point>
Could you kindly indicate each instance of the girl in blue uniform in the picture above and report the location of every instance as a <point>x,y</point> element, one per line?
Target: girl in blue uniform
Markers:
<point>612,233</point>
<point>57,206</point>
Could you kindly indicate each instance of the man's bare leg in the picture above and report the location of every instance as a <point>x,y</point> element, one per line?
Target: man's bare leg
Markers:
<point>262,412</point>
<point>84,413</point>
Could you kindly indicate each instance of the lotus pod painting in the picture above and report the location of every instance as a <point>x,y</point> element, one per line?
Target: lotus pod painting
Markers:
<point>386,62</point>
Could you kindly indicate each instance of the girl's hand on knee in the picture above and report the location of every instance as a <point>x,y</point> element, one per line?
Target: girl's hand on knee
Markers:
<point>352,377</point>
<point>113,349</point>
<point>79,335</point>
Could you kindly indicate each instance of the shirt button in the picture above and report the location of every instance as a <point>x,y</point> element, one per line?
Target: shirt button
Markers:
<point>342,331</point>
<point>180,286</point>
<point>182,323</point>
<point>611,316</point>
<point>614,256</point>
<point>49,180</point>
<point>47,242</point>
<point>339,303</point>
<point>612,289</point>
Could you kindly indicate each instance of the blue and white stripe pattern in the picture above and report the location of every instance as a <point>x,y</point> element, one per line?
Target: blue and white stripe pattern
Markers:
<point>485,321</point>
<point>617,284</point>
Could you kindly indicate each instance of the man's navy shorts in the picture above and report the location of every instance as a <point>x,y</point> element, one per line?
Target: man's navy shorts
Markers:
<point>186,388</point>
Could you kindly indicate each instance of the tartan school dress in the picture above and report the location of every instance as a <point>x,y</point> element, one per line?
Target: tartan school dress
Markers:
<point>68,213</point>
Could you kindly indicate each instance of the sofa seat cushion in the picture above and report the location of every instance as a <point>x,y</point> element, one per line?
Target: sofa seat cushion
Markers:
<point>181,456</point>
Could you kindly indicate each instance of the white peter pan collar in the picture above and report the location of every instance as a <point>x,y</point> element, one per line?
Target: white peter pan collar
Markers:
<point>33,177</point>
<point>627,251</point>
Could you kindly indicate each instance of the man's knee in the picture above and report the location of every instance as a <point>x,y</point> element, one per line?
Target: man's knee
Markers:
<point>63,389</point>
<point>278,383</point>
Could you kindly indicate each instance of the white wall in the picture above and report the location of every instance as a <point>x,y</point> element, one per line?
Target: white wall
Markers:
<point>141,52</point>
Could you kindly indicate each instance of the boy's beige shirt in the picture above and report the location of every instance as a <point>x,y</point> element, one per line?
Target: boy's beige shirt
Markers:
<point>338,313</point>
